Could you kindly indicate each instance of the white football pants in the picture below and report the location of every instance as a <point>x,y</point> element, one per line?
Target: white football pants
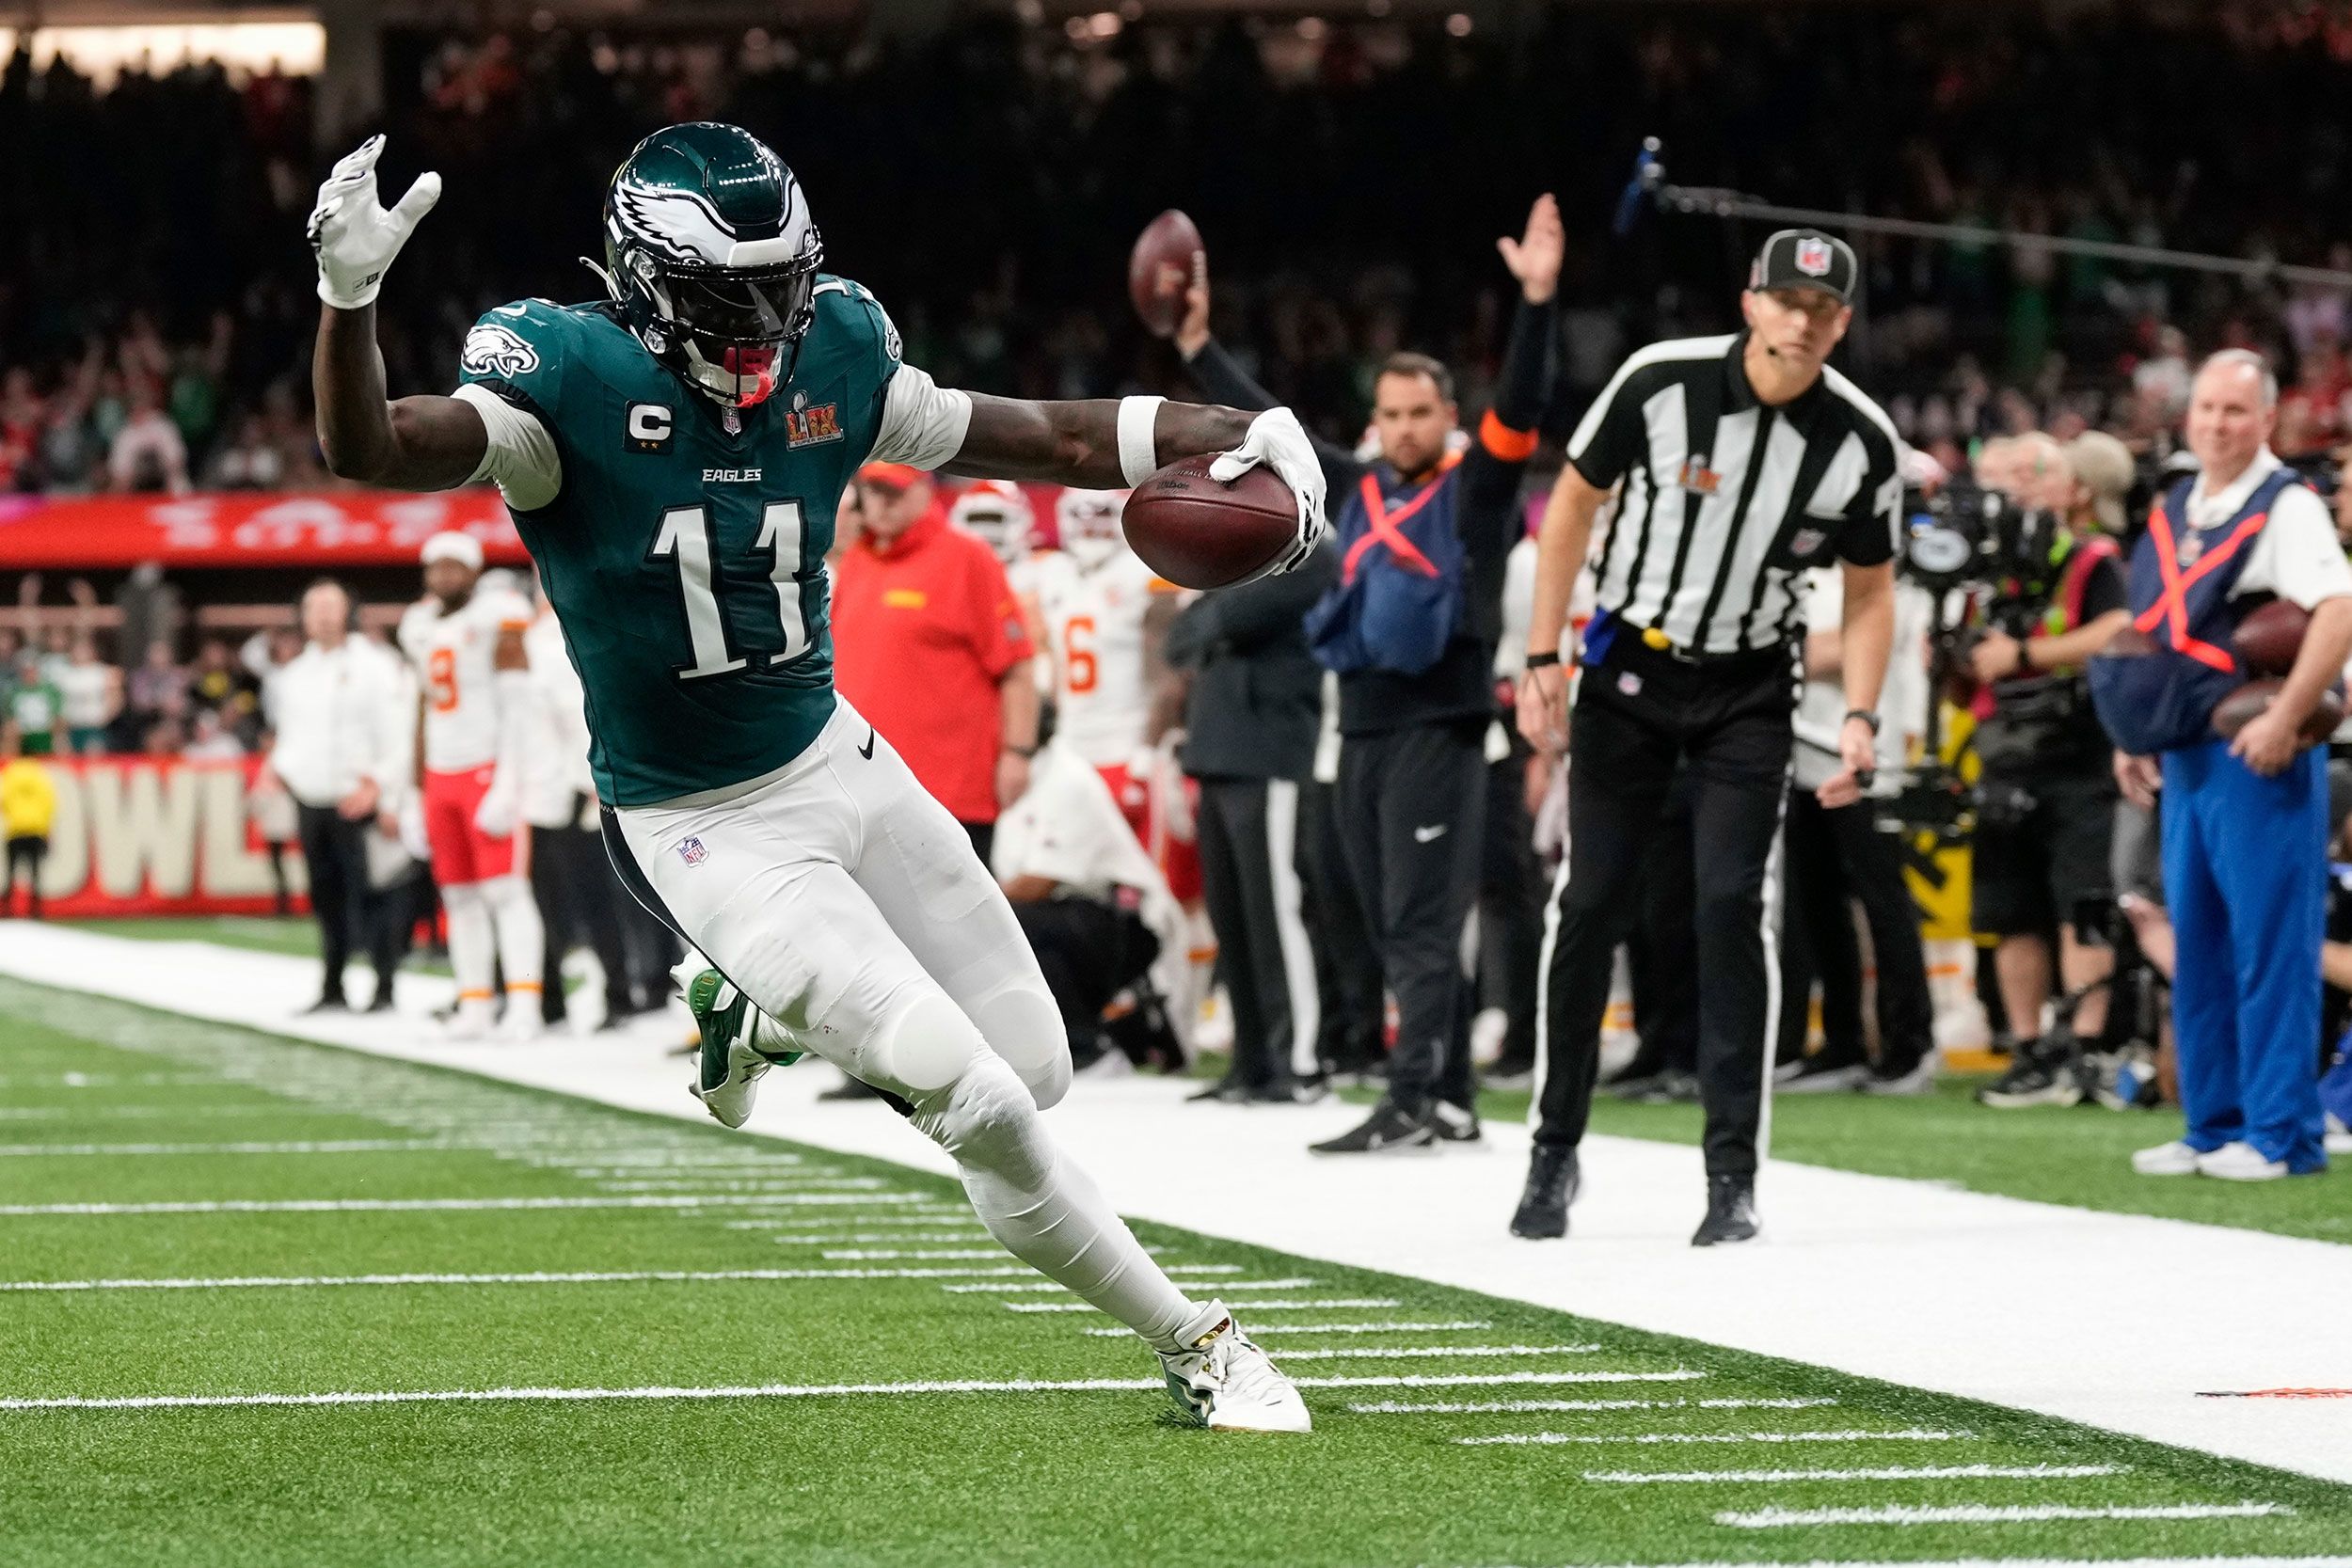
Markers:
<point>849,906</point>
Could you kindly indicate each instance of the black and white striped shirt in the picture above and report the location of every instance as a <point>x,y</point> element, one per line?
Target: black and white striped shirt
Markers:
<point>1728,502</point>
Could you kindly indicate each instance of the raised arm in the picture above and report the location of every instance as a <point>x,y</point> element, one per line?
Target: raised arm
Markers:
<point>418,443</point>
<point>1219,374</point>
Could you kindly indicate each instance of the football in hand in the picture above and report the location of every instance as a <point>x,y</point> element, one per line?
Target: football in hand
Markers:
<point>1159,269</point>
<point>2239,709</point>
<point>1198,534</point>
<point>2267,642</point>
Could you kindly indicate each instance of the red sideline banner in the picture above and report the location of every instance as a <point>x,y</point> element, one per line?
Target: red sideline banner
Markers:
<point>322,529</point>
<point>157,835</point>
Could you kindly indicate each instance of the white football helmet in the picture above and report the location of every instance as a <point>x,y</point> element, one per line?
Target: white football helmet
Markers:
<point>1088,522</point>
<point>997,511</point>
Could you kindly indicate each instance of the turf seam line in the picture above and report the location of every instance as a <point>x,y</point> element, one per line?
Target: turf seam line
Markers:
<point>1497,1407</point>
<point>1329,1328</point>
<point>1328,1305</point>
<point>1890,1472</point>
<point>1908,1434</point>
<point>414,1205</point>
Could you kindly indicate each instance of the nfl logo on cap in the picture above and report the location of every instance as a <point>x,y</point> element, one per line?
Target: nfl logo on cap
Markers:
<point>1813,257</point>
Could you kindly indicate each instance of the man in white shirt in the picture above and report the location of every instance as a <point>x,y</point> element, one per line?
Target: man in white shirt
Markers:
<point>341,714</point>
<point>1096,911</point>
<point>2244,820</point>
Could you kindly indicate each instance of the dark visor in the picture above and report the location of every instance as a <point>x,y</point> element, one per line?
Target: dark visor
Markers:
<point>738,307</point>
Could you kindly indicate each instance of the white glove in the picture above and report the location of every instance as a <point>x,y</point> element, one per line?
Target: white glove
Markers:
<point>500,809</point>
<point>352,233</point>
<point>1277,440</point>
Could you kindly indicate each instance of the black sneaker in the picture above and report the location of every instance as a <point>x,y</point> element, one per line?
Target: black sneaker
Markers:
<point>1290,1091</point>
<point>1553,1179</point>
<point>2044,1072</point>
<point>334,1004</point>
<point>1454,1124</point>
<point>1388,1129</point>
<point>1814,1075</point>
<point>1232,1091</point>
<point>1731,1212</point>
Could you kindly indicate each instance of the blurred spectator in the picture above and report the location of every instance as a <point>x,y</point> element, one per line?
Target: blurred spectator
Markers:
<point>152,611</point>
<point>148,453</point>
<point>34,705</point>
<point>157,688</point>
<point>271,811</point>
<point>220,685</point>
<point>29,806</point>
<point>210,739</point>
<point>92,696</point>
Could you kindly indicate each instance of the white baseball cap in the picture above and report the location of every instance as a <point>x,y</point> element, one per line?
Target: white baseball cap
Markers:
<point>450,545</point>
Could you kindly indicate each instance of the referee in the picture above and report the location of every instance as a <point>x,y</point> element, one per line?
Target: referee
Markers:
<point>1746,461</point>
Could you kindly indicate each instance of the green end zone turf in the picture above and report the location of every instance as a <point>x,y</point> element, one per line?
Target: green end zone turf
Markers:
<point>353,1166</point>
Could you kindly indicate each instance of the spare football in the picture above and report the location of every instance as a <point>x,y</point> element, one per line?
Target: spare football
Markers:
<point>1159,269</point>
<point>2267,642</point>
<point>2239,707</point>
<point>1198,534</point>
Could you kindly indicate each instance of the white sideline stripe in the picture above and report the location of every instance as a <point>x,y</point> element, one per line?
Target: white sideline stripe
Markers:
<point>1992,1514</point>
<point>1908,1434</point>
<point>1497,1407</point>
<point>1328,1328</point>
<point>333,1146</point>
<point>738,1391</point>
<point>913,1213</point>
<point>408,1205</point>
<point>1170,1268</point>
<point>1892,1472</point>
<point>764,1185</point>
<point>1409,1353</point>
<point>836,1237</point>
<point>152,1113</point>
<point>1254,1307</point>
<point>246,1282</point>
<point>884,1254</point>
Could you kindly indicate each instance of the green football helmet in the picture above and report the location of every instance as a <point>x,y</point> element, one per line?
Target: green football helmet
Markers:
<point>711,258</point>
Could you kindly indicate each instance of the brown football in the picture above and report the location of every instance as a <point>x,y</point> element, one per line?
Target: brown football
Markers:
<point>1198,533</point>
<point>2267,642</point>
<point>1168,241</point>
<point>2239,707</point>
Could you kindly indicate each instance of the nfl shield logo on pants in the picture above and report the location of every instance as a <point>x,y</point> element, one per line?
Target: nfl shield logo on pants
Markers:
<point>690,851</point>
<point>1813,258</point>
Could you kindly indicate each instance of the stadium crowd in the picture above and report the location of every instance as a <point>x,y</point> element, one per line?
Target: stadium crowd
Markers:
<point>2057,387</point>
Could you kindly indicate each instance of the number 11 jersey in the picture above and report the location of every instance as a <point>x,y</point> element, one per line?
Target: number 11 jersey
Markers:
<point>682,544</point>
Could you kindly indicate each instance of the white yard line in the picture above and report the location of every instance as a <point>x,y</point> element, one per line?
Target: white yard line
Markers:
<point>1991,1514</point>
<point>2033,1562</point>
<point>1499,1407</point>
<point>411,1205</point>
<point>1908,1434</point>
<point>336,1145</point>
<point>1891,1472</point>
<point>1417,1353</point>
<point>1329,1328</point>
<point>252,1282</point>
<point>884,1254</point>
<point>1893,1245</point>
<point>1255,1307</point>
<point>734,1391</point>
<point>1043,1286</point>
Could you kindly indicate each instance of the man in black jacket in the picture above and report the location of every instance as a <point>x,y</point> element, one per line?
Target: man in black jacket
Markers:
<point>1411,787</point>
<point>1251,712</point>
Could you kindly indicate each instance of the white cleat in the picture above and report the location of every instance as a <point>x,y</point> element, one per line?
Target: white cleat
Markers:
<point>1229,1384</point>
<point>522,1023</point>
<point>2338,1135</point>
<point>2240,1163</point>
<point>2173,1159</point>
<point>473,1020</point>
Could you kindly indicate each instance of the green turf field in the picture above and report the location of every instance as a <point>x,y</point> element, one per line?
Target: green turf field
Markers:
<point>700,1347</point>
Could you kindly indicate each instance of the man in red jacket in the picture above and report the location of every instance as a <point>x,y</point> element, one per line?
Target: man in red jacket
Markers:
<point>928,645</point>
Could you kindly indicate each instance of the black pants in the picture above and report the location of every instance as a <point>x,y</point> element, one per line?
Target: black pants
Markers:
<point>1658,951</point>
<point>1089,952</point>
<point>24,857</point>
<point>1353,1011</point>
<point>579,901</point>
<point>983,837</point>
<point>1836,857</point>
<point>1248,833</point>
<point>1728,724</point>
<point>350,911</point>
<point>1510,910</point>
<point>1412,805</point>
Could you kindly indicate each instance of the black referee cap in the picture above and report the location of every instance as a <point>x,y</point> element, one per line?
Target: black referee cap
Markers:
<point>1805,258</point>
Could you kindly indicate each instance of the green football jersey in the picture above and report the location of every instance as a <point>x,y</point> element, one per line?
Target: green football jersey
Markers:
<point>685,552</point>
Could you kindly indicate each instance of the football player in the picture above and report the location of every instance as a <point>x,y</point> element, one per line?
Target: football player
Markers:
<point>996,511</point>
<point>674,455</point>
<point>465,639</point>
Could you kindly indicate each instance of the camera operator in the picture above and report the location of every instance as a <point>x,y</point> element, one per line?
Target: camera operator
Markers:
<point>2046,814</point>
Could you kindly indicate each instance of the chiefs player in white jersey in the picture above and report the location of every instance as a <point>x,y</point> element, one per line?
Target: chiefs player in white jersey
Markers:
<point>1106,614</point>
<point>997,513</point>
<point>467,645</point>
